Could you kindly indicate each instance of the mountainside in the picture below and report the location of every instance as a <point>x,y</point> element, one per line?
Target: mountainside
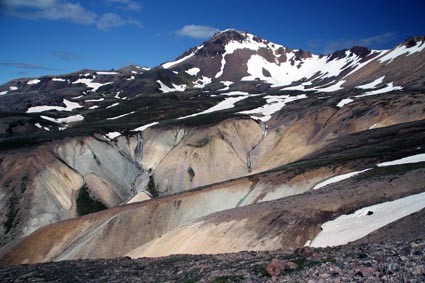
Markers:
<point>240,144</point>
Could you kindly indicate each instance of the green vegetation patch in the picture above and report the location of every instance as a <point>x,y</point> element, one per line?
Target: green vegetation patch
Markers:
<point>86,204</point>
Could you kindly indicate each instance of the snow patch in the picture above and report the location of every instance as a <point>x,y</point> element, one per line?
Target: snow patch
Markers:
<point>58,80</point>
<point>144,127</point>
<point>94,100</point>
<point>113,105</point>
<point>226,84</point>
<point>113,135</point>
<point>33,82</point>
<point>90,84</point>
<point>120,116</point>
<point>193,71</point>
<point>69,106</point>
<point>406,160</point>
<point>227,103</point>
<point>351,227</point>
<point>337,179</point>
<point>165,89</point>
<point>3,92</point>
<point>107,73</point>
<point>202,82</point>
<point>344,101</point>
<point>372,84</point>
<point>12,88</point>
<point>387,88</point>
<point>130,78</point>
<point>69,119</point>
<point>401,50</point>
<point>273,104</point>
<point>171,64</point>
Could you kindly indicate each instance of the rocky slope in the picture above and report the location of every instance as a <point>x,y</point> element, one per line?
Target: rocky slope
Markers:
<point>387,261</point>
<point>232,138</point>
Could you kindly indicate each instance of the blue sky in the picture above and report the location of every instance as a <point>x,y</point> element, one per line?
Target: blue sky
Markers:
<point>43,37</point>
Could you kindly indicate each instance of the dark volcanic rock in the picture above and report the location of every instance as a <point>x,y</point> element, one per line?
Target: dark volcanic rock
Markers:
<point>340,264</point>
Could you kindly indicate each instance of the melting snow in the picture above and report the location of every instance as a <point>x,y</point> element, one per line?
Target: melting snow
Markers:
<point>90,84</point>
<point>387,88</point>
<point>343,102</point>
<point>69,106</point>
<point>372,84</point>
<point>410,159</point>
<point>58,80</point>
<point>337,179</point>
<point>273,104</point>
<point>144,127</point>
<point>400,50</point>
<point>193,71</point>
<point>351,227</point>
<point>120,116</point>
<point>13,88</point>
<point>33,82</point>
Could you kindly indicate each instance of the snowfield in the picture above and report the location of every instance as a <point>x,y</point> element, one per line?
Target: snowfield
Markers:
<point>351,227</point>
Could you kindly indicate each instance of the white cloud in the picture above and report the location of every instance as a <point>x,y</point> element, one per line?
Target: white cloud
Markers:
<point>197,31</point>
<point>65,10</point>
<point>127,4</point>
<point>109,20</point>
<point>28,3</point>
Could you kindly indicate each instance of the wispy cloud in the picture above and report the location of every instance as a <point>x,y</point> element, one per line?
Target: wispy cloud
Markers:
<point>348,43</point>
<point>196,31</point>
<point>65,10</point>
<point>110,20</point>
<point>127,4</point>
<point>65,55</point>
<point>29,66</point>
